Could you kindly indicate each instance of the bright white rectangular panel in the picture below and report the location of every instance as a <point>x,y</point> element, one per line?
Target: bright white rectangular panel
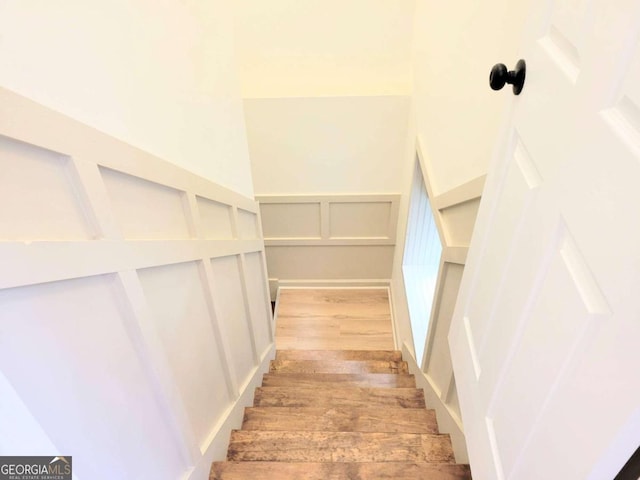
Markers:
<point>495,452</point>
<point>291,220</point>
<point>624,120</point>
<point>564,38</point>
<point>453,402</point>
<point>562,52</point>
<point>624,116</point>
<point>630,84</point>
<point>38,197</point>
<point>228,298</point>
<point>473,351</point>
<point>551,325</point>
<point>258,300</point>
<point>215,219</point>
<point>247,225</point>
<point>176,299</point>
<point>527,166</point>
<point>359,219</point>
<point>510,208</point>
<point>145,210</point>
<point>65,350</point>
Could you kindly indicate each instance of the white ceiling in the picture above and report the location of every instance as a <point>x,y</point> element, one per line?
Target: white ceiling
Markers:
<point>324,47</point>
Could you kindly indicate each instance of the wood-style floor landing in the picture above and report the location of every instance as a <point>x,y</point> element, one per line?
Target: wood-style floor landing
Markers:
<point>334,319</point>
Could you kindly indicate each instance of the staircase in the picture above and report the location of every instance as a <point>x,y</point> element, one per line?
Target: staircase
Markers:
<point>339,415</point>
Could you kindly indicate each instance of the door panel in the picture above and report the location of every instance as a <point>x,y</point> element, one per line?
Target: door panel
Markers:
<point>564,39</point>
<point>544,335</point>
<point>562,309</point>
<point>510,207</point>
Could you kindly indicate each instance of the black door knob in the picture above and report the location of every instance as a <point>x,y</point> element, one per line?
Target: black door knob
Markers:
<point>499,76</point>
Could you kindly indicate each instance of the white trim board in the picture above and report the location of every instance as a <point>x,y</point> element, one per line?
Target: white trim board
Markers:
<point>216,448</point>
<point>448,421</point>
<point>335,284</point>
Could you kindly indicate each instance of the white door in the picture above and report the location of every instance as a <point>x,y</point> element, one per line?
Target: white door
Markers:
<point>545,338</point>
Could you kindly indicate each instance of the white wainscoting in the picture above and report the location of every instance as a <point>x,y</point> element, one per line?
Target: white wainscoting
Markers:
<point>134,307</point>
<point>323,240</point>
<point>454,213</point>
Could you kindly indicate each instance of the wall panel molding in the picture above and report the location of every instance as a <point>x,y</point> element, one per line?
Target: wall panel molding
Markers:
<point>329,239</point>
<point>28,263</point>
<point>460,194</point>
<point>149,346</point>
<point>361,213</point>
<point>455,255</point>
<point>155,235</point>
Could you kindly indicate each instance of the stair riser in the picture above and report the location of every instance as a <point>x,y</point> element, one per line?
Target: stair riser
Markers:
<point>397,420</point>
<point>349,366</point>
<point>337,471</point>
<point>339,447</point>
<point>339,355</point>
<point>342,397</point>
<point>333,380</point>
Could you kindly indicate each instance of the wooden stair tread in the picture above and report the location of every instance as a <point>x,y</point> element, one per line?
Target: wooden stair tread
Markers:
<point>345,419</point>
<point>332,414</point>
<point>342,366</point>
<point>339,397</point>
<point>339,355</point>
<point>260,445</point>
<point>339,471</point>
<point>333,380</point>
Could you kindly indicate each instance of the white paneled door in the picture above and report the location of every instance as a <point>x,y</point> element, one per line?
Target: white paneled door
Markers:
<point>545,338</point>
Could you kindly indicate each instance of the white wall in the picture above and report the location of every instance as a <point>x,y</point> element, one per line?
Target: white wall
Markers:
<point>158,75</point>
<point>326,144</point>
<point>324,47</point>
<point>458,115</point>
<point>326,85</point>
<point>325,148</point>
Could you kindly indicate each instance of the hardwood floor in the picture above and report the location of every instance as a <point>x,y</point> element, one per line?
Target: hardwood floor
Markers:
<point>338,401</point>
<point>334,319</point>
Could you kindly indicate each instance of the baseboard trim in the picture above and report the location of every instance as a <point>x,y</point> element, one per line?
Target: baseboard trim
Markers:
<point>216,449</point>
<point>447,420</point>
<point>392,312</point>
<point>322,283</point>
